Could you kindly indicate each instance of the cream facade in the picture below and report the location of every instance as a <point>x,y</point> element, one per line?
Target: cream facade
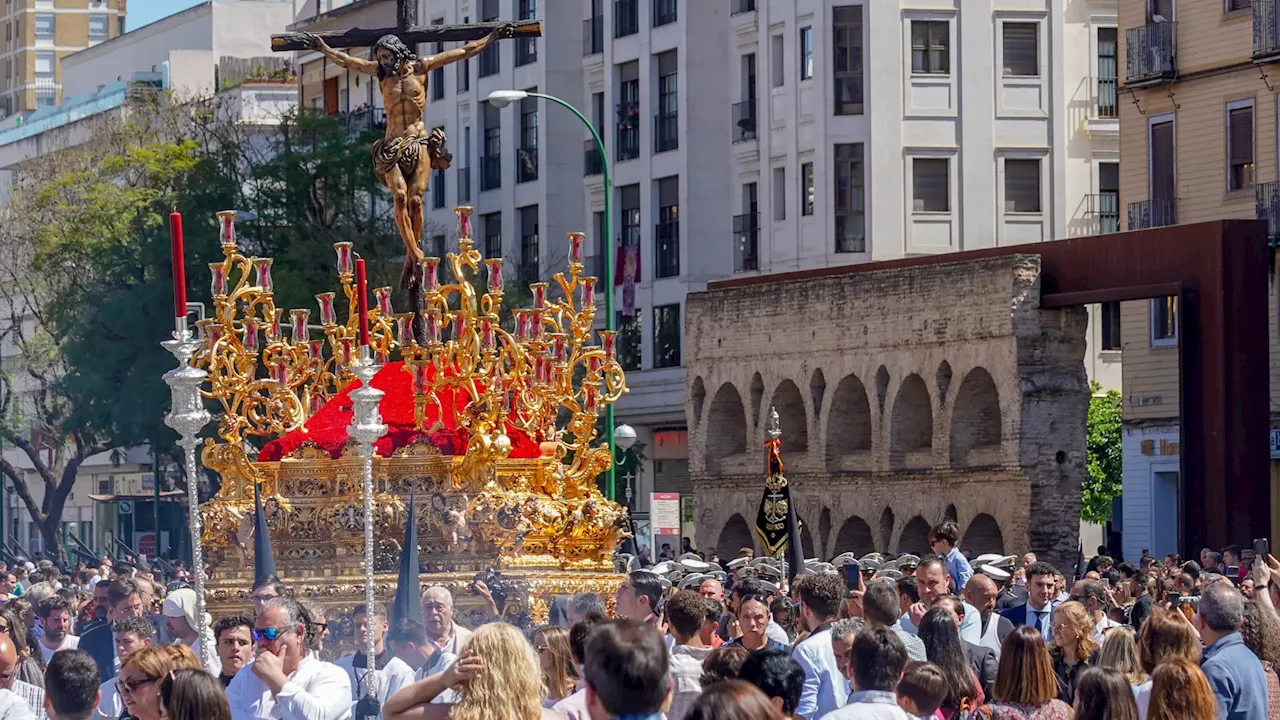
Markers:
<point>38,34</point>
<point>1198,142</point>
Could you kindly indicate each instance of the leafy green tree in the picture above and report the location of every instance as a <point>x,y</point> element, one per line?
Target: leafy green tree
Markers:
<point>1104,458</point>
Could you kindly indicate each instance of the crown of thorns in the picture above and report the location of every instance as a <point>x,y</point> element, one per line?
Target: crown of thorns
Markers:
<point>395,46</point>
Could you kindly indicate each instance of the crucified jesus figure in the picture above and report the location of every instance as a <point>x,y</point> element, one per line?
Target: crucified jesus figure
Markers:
<point>398,160</point>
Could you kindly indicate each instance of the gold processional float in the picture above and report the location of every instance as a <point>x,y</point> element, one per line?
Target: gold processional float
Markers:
<point>491,432</point>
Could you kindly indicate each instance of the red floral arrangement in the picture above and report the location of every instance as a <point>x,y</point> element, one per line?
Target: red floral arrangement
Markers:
<point>328,427</point>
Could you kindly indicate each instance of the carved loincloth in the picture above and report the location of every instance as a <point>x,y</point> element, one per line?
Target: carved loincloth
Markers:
<point>406,151</point>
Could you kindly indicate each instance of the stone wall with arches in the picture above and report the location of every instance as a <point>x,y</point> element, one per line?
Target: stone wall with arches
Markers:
<point>905,397</point>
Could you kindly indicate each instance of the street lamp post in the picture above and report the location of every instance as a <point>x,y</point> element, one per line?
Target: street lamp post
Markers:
<point>503,98</point>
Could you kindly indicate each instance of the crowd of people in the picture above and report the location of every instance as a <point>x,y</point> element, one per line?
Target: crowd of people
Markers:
<point>942,636</point>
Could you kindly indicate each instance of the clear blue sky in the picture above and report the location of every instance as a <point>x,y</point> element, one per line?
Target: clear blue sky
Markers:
<point>144,12</point>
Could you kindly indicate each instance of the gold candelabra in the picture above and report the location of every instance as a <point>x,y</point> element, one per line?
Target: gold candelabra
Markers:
<point>550,377</point>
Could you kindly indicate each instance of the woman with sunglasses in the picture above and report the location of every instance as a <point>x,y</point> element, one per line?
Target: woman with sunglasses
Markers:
<point>30,669</point>
<point>141,672</point>
<point>556,659</point>
<point>189,694</point>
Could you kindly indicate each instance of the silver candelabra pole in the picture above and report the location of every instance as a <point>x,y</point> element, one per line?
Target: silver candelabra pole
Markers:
<point>187,416</point>
<point>366,428</point>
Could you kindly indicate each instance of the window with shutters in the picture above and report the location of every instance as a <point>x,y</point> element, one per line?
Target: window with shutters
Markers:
<point>1160,11</point>
<point>1021,49</point>
<point>1240,145</point>
<point>1022,185</point>
<point>931,184</point>
<point>930,47</point>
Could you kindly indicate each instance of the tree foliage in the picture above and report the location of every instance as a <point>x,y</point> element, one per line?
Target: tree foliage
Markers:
<point>1104,458</point>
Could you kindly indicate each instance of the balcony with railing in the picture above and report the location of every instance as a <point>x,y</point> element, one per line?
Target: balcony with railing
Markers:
<point>738,7</point>
<point>1266,30</point>
<point>593,35</point>
<point>626,17</point>
<point>666,135</point>
<point>527,164</point>
<point>1146,214</point>
<point>627,140</point>
<point>366,119</point>
<point>1104,208</point>
<point>1268,204</point>
<point>592,163</point>
<point>464,184</point>
<point>746,242</point>
<point>1151,54</point>
<point>664,12</point>
<point>491,172</point>
<point>667,236</point>
<point>744,121</point>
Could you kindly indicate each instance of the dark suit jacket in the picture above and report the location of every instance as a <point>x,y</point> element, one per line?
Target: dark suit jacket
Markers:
<point>984,663</point>
<point>1018,614</point>
<point>1012,597</point>
<point>100,643</point>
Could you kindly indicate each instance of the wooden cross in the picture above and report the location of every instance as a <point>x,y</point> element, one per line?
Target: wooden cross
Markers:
<point>409,32</point>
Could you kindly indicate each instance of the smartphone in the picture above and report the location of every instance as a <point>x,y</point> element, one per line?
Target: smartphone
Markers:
<point>1175,598</point>
<point>851,573</point>
<point>1262,547</point>
<point>1233,572</point>
<point>1106,582</point>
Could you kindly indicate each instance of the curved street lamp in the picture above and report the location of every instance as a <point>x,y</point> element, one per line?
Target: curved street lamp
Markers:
<point>503,98</point>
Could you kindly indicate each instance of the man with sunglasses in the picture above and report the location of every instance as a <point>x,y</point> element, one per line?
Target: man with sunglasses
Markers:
<point>286,681</point>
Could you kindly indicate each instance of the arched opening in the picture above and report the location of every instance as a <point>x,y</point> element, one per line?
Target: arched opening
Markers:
<point>943,378</point>
<point>886,528</point>
<point>983,536</point>
<point>757,394</point>
<point>698,395</point>
<point>735,535</point>
<point>950,513</point>
<point>911,430</point>
<point>915,537</point>
<point>975,422</point>
<point>882,387</point>
<point>824,530</point>
<point>855,537</point>
<point>726,428</point>
<point>849,427</point>
<point>790,406</point>
<point>806,540</point>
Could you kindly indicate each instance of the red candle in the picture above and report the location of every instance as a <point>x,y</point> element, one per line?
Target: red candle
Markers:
<point>179,267</point>
<point>362,301</point>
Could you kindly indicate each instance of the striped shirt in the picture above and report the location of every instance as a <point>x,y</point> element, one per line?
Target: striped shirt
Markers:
<point>34,697</point>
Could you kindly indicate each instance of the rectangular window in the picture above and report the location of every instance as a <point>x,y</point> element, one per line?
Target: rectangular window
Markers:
<point>667,124</point>
<point>779,194</point>
<point>1234,5</point>
<point>527,156</point>
<point>437,75</point>
<point>626,17</point>
<point>664,12</point>
<point>778,62</point>
<point>1239,145</point>
<point>931,47</point>
<point>44,26</point>
<point>1021,185</point>
<point>1164,321</point>
<point>491,158</point>
<point>627,141</point>
<point>1108,66</point>
<point>98,27</point>
<point>526,48</point>
<point>931,184</point>
<point>464,68</point>
<point>1021,49</point>
<point>1108,197</point>
<point>666,336</point>
<point>850,203</point>
<point>44,65</point>
<point>490,58</point>
<point>847,45</point>
<point>529,259</point>
<point>667,230</point>
<point>435,246</point>
<point>1110,326</point>
<point>806,53</point>
<point>806,189</point>
<point>630,340</point>
<point>597,231</point>
<point>492,234</point>
<point>629,215</point>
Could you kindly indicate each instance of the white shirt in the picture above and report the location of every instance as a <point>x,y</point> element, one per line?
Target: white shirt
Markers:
<point>825,688</point>
<point>1100,630</point>
<point>317,690</point>
<point>13,707</point>
<point>206,651</point>
<point>870,705</point>
<point>460,637</point>
<point>111,706</point>
<point>574,707</point>
<point>388,681</point>
<point>69,642</point>
<point>438,663</point>
<point>34,696</point>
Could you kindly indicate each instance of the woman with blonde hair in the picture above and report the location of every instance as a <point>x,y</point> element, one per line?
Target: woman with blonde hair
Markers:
<point>556,658</point>
<point>1166,635</point>
<point>140,673</point>
<point>1120,652</point>
<point>1180,691</point>
<point>1073,648</point>
<point>30,669</point>
<point>497,678</point>
<point>1026,687</point>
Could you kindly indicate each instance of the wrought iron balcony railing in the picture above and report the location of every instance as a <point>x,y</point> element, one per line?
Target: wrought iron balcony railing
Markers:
<point>667,235</point>
<point>1159,212</point>
<point>1151,53</point>
<point>1268,204</point>
<point>527,164</point>
<point>592,163</point>
<point>1104,207</point>
<point>1266,30</point>
<point>744,121</point>
<point>746,242</point>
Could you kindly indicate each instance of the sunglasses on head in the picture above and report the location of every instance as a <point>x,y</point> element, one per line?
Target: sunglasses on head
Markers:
<point>270,634</point>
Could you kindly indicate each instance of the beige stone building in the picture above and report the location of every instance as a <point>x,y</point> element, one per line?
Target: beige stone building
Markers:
<point>38,34</point>
<point>1201,84</point>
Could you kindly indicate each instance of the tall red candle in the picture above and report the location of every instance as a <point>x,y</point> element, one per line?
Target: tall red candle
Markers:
<point>362,301</point>
<point>179,266</point>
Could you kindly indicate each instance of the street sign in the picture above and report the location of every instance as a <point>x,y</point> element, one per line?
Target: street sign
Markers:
<point>126,507</point>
